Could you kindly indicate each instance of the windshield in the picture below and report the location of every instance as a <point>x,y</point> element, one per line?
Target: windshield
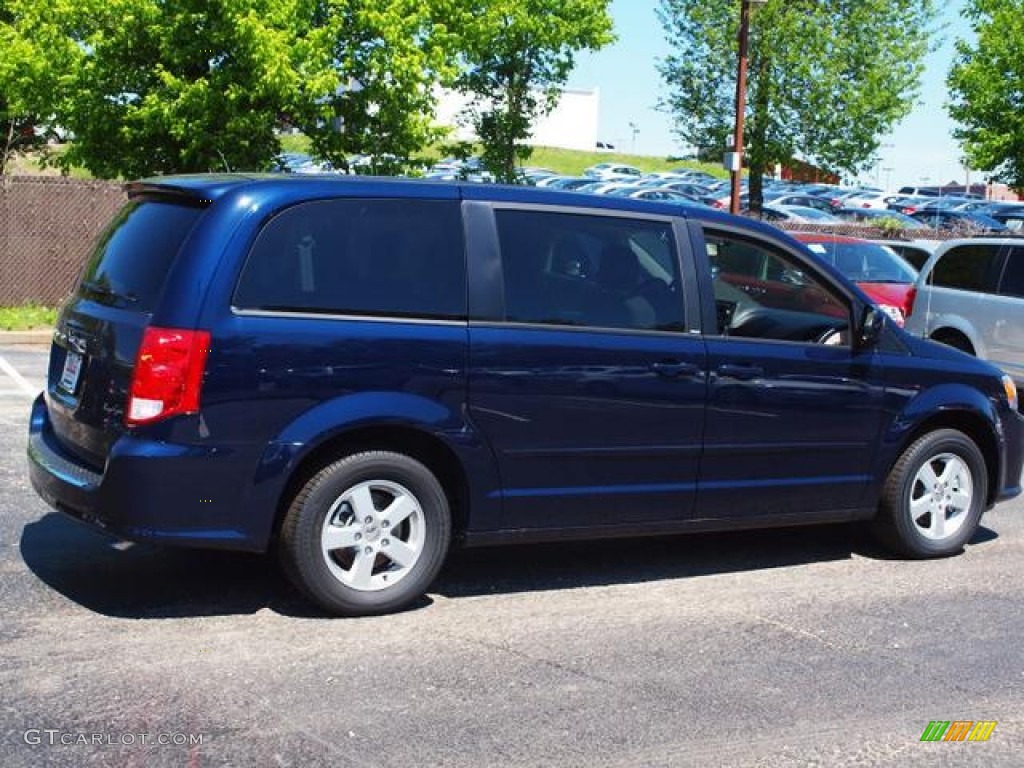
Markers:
<point>865,262</point>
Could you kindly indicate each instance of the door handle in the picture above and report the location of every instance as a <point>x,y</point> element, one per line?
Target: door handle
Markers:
<point>673,369</point>
<point>741,372</point>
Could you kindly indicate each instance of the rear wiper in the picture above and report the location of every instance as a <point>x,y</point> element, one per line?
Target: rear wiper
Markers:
<point>102,290</point>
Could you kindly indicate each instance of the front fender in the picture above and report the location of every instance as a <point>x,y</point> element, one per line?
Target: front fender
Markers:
<point>949,402</point>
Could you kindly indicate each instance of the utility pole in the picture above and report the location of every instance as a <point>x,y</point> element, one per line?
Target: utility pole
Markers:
<point>736,162</point>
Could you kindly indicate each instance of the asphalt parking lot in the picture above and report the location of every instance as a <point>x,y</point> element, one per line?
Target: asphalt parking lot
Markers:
<point>802,647</point>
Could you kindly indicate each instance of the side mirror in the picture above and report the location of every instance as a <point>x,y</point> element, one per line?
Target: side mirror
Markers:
<point>869,330</point>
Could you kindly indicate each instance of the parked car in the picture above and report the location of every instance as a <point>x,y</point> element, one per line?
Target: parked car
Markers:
<point>996,207</point>
<point>604,186</point>
<point>1012,220</point>
<point>300,162</point>
<point>360,372</point>
<point>845,194</point>
<point>613,171</point>
<point>819,190</point>
<point>660,195</point>
<point>880,273</point>
<point>958,221</point>
<point>870,200</point>
<point>779,199</point>
<point>802,200</point>
<point>534,176</point>
<point>970,295</point>
<point>877,217</point>
<point>565,183</point>
<point>907,205</point>
<point>697,177</point>
<point>686,187</point>
<point>949,203</point>
<point>663,176</point>
<point>797,213</point>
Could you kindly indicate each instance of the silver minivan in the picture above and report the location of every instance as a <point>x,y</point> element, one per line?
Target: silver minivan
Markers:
<point>970,295</point>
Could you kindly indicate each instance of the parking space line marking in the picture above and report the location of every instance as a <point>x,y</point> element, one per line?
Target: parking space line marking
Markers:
<point>23,385</point>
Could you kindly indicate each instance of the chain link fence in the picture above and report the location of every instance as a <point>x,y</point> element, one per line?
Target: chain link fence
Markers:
<point>48,225</point>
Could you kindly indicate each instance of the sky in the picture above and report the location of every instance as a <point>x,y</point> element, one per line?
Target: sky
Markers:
<point>919,152</point>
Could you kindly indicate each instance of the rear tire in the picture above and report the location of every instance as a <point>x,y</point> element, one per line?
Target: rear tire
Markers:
<point>934,496</point>
<point>367,534</point>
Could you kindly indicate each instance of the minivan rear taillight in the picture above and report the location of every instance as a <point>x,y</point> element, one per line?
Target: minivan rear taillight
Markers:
<point>911,298</point>
<point>168,374</point>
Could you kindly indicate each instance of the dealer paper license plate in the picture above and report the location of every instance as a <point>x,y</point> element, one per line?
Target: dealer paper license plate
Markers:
<point>72,369</point>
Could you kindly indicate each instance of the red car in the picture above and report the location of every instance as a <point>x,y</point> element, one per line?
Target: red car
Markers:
<point>879,271</point>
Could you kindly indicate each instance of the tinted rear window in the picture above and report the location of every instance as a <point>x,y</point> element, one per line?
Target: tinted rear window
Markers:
<point>915,256</point>
<point>967,267</point>
<point>402,258</point>
<point>134,254</point>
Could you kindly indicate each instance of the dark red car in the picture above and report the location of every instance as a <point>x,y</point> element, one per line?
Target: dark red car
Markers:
<point>879,271</point>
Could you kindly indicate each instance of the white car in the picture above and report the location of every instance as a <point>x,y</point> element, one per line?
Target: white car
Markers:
<point>877,200</point>
<point>970,295</point>
<point>802,214</point>
<point>613,171</point>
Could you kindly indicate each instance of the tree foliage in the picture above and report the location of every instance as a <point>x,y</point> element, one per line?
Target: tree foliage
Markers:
<point>376,64</point>
<point>32,58</point>
<point>514,55</point>
<point>986,84</point>
<point>179,85</point>
<point>827,78</point>
<point>170,86</point>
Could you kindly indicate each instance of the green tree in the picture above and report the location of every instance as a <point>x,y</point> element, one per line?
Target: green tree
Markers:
<point>827,78</point>
<point>168,86</point>
<point>986,84</point>
<point>171,86</point>
<point>33,56</point>
<point>514,56</point>
<point>377,63</point>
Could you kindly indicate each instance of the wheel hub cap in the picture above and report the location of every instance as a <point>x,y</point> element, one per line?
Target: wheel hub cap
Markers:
<point>373,535</point>
<point>941,496</point>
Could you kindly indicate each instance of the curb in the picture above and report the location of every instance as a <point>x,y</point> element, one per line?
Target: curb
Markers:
<point>40,336</point>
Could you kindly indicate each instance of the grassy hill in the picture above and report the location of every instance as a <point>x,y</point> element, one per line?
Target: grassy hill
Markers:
<point>567,161</point>
<point>572,162</point>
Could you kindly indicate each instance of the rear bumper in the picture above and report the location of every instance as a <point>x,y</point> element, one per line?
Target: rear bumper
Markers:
<point>183,495</point>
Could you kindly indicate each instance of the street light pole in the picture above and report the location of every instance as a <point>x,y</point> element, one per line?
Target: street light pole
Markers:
<point>741,104</point>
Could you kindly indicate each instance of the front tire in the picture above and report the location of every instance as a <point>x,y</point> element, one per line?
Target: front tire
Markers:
<point>367,534</point>
<point>934,496</point>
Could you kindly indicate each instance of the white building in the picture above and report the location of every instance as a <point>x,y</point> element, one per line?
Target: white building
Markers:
<point>572,124</point>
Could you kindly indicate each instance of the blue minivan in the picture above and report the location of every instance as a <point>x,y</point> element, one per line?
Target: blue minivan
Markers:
<point>361,372</point>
